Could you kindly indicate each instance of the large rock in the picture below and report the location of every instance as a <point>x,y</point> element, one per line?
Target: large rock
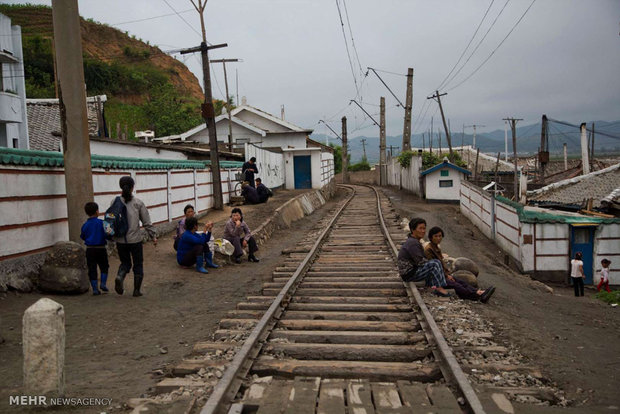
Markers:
<point>43,335</point>
<point>467,277</point>
<point>64,269</point>
<point>463,263</point>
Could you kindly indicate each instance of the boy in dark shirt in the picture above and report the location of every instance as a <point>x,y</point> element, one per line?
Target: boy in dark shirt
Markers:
<point>249,194</point>
<point>263,192</point>
<point>94,236</point>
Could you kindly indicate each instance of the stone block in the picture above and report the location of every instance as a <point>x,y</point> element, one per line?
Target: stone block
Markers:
<point>43,336</point>
<point>463,263</point>
<point>467,277</point>
<point>64,269</point>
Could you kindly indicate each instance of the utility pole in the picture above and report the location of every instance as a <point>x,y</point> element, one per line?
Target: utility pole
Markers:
<point>382,158</point>
<point>345,158</point>
<point>364,147</point>
<point>437,96</point>
<point>543,154</point>
<point>474,139</point>
<point>73,115</point>
<point>513,127</point>
<point>208,112</point>
<point>237,84</point>
<point>409,103</point>
<point>230,134</point>
<point>462,141</point>
<point>565,158</point>
<point>585,163</point>
<point>423,143</point>
<point>592,152</point>
<point>506,140</point>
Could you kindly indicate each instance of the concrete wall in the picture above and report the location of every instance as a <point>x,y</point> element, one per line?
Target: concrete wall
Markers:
<point>433,191</point>
<point>407,178</point>
<point>112,148</point>
<point>270,165</point>
<point>260,121</point>
<point>33,207</point>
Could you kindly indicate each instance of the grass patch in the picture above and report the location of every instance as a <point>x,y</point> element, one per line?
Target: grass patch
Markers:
<point>609,297</point>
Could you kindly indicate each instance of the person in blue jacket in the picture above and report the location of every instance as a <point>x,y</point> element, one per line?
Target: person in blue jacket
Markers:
<point>192,245</point>
<point>94,235</point>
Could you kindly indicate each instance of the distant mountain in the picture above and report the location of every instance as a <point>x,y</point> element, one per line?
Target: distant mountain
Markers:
<point>528,140</point>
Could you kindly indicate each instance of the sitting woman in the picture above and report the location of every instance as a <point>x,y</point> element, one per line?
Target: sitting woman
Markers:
<point>238,233</point>
<point>192,246</point>
<point>462,289</point>
<point>414,267</point>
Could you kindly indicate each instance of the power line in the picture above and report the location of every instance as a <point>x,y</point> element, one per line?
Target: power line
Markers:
<point>151,18</point>
<point>478,45</point>
<point>391,73</point>
<point>587,129</point>
<point>346,44</point>
<point>181,17</point>
<point>466,47</point>
<point>346,13</point>
<point>498,46</point>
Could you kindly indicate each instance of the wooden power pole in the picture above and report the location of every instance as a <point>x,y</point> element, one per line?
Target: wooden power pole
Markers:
<point>364,147</point>
<point>208,111</point>
<point>408,109</point>
<point>437,96</point>
<point>345,158</point>
<point>382,157</point>
<point>73,115</point>
<point>513,127</point>
<point>230,134</point>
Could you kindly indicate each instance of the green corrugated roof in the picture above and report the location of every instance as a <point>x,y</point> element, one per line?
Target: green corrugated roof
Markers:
<point>531,216</point>
<point>55,159</point>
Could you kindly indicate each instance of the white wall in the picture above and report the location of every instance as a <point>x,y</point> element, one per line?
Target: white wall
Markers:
<point>33,207</point>
<point>288,140</point>
<point>407,178</point>
<point>260,122</point>
<point>240,134</point>
<point>133,151</point>
<point>270,165</point>
<point>315,166</point>
<point>607,246</point>
<point>433,191</point>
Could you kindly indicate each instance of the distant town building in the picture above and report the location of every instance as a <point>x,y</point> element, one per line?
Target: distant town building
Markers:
<point>13,120</point>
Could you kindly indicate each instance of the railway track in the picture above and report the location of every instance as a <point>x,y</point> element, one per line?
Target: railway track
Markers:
<point>337,331</point>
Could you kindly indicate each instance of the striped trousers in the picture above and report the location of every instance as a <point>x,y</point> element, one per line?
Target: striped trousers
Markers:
<point>431,271</point>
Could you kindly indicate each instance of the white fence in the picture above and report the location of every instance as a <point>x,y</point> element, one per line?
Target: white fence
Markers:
<point>270,165</point>
<point>327,168</point>
<point>33,206</point>
<point>407,178</point>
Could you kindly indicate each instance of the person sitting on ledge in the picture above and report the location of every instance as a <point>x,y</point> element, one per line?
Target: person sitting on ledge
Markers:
<point>238,233</point>
<point>414,267</point>
<point>192,245</point>
<point>462,289</point>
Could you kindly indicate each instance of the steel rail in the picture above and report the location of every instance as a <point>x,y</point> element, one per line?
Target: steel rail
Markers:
<point>225,387</point>
<point>462,383</point>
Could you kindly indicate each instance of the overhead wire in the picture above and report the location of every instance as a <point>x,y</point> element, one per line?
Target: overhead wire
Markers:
<point>151,18</point>
<point>495,50</point>
<point>346,12</point>
<point>466,47</point>
<point>346,44</point>
<point>181,17</point>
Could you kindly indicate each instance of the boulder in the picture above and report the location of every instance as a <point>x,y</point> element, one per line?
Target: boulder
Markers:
<point>449,261</point>
<point>64,269</point>
<point>20,283</point>
<point>463,263</point>
<point>467,277</point>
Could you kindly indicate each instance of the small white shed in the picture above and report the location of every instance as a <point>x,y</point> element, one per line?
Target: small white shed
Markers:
<point>443,182</point>
<point>302,168</point>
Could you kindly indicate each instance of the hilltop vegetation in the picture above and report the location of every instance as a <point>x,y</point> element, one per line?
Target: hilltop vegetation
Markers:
<point>146,88</point>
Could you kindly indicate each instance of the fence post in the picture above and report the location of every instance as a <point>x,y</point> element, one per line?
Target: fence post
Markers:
<point>169,194</point>
<point>195,191</point>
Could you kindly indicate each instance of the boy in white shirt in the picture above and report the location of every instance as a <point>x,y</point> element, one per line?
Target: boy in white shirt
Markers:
<point>604,276</point>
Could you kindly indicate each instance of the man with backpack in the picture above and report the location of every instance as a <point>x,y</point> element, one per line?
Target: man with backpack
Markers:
<point>125,215</point>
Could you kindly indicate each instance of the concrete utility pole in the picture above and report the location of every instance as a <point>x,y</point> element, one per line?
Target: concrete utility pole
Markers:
<point>585,163</point>
<point>382,157</point>
<point>474,139</point>
<point>230,134</point>
<point>592,152</point>
<point>408,106</point>
<point>73,114</point>
<point>208,111</point>
<point>506,141</point>
<point>565,158</point>
<point>437,96</point>
<point>543,154</point>
<point>513,127</point>
<point>364,147</point>
<point>345,159</point>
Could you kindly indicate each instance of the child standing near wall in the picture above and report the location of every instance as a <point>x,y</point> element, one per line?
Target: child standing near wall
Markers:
<point>604,276</point>
<point>576,273</point>
<point>94,236</point>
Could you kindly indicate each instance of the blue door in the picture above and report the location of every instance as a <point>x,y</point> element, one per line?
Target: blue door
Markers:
<point>303,171</point>
<point>582,240</point>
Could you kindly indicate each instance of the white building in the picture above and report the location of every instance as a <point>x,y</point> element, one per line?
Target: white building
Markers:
<point>443,182</point>
<point>249,125</point>
<point>13,120</point>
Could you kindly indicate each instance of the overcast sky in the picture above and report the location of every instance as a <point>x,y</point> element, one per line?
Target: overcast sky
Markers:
<point>562,59</point>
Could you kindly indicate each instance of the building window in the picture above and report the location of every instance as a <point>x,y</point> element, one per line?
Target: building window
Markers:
<point>445,173</point>
<point>15,143</point>
<point>445,183</point>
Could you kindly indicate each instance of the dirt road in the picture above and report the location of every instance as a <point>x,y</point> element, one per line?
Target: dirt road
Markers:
<point>574,340</point>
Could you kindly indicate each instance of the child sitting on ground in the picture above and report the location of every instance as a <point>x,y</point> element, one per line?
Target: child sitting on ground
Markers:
<point>189,212</point>
<point>604,276</point>
<point>94,236</point>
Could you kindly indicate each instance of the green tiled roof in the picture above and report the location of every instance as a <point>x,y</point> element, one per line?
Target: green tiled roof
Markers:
<point>531,216</point>
<point>55,159</point>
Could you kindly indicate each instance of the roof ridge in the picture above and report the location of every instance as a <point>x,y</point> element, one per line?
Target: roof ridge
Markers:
<point>574,180</point>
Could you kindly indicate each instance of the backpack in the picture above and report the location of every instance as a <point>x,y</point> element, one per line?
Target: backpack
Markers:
<point>116,217</point>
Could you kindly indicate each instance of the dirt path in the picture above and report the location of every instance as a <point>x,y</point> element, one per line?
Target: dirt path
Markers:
<point>114,343</point>
<point>574,340</point>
